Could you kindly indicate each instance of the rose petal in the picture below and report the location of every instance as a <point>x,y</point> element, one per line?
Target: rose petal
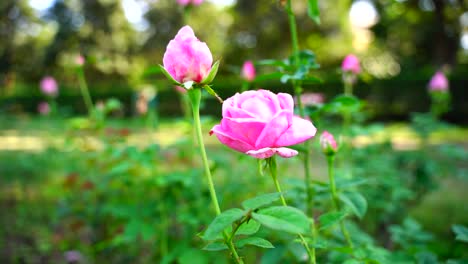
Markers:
<point>299,131</point>
<point>269,152</point>
<point>286,152</point>
<point>243,129</point>
<point>229,141</point>
<point>286,101</point>
<point>273,130</point>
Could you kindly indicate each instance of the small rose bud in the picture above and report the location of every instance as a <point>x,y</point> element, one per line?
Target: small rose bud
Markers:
<point>186,58</point>
<point>439,82</point>
<point>351,64</point>
<point>49,86</point>
<point>328,143</point>
<point>248,71</point>
<point>311,99</point>
<point>79,60</point>
<point>43,108</point>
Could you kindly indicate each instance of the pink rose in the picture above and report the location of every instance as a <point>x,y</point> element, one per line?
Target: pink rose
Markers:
<point>248,71</point>
<point>328,143</point>
<point>49,86</point>
<point>438,82</point>
<point>261,124</point>
<point>43,108</point>
<point>197,2</point>
<point>187,58</point>
<point>79,60</point>
<point>351,64</point>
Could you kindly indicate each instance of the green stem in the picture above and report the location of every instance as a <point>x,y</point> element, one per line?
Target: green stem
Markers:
<point>84,91</point>
<point>274,175</point>
<point>195,98</point>
<point>335,200</point>
<point>297,92</point>
<point>348,88</point>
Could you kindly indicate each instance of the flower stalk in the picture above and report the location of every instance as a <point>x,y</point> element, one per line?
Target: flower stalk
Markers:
<point>334,196</point>
<point>195,98</point>
<point>274,175</point>
<point>85,91</point>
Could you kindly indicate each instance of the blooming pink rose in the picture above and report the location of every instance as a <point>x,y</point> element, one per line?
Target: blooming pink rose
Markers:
<point>187,58</point>
<point>328,143</point>
<point>248,71</point>
<point>261,124</point>
<point>49,86</point>
<point>438,82</point>
<point>351,64</point>
<point>43,108</point>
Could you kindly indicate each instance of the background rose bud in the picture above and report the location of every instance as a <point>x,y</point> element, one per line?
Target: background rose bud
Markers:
<point>43,108</point>
<point>197,2</point>
<point>261,124</point>
<point>438,82</point>
<point>328,143</point>
<point>49,86</point>
<point>311,99</point>
<point>79,60</point>
<point>248,71</point>
<point>351,64</point>
<point>186,58</point>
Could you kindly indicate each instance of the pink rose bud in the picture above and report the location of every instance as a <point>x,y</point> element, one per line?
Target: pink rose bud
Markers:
<point>49,86</point>
<point>261,124</point>
<point>438,82</point>
<point>248,71</point>
<point>351,64</point>
<point>43,108</point>
<point>328,143</point>
<point>187,58</point>
<point>79,60</point>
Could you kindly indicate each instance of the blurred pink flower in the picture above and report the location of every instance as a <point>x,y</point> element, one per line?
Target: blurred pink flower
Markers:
<point>186,2</point>
<point>248,71</point>
<point>79,60</point>
<point>351,64</point>
<point>49,86</point>
<point>180,89</point>
<point>438,82</point>
<point>43,108</point>
<point>311,99</point>
<point>328,143</point>
<point>187,58</point>
<point>261,124</point>
<point>73,256</point>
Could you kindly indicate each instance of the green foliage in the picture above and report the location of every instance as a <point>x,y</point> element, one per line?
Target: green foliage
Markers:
<point>283,218</point>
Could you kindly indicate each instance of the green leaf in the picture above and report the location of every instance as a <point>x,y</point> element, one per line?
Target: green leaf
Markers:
<point>356,202</point>
<point>313,11</point>
<point>210,77</point>
<point>283,218</point>
<point>261,200</point>
<point>215,246</point>
<point>343,104</point>
<point>221,222</point>
<point>461,232</point>
<point>248,228</point>
<point>277,63</point>
<point>329,219</point>
<point>254,241</point>
<point>168,75</point>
